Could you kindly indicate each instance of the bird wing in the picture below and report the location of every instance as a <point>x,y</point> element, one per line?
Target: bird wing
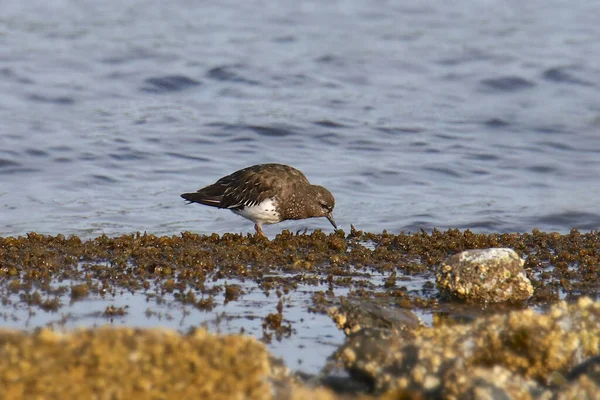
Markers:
<point>249,186</point>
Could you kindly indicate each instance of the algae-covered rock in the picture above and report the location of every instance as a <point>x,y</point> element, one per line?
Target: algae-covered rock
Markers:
<point>367,353</point>
<point>490,383</point>
<point>583,388</point>
<point>584,381</point>
<point>129,363</point>
<point>461,358</point>
<point>485,275</point>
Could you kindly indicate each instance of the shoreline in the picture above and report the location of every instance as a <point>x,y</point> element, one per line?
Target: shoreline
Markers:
<point>280,290</point>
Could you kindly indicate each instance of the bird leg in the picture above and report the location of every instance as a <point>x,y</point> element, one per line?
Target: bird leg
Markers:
<point>300,230</point>
<point>259,230</point>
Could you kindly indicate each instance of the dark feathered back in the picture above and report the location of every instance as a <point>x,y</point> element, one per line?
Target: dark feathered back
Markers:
<point>250,186</point>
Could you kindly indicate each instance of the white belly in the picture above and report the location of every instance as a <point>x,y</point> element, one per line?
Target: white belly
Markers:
<point>265,212</point>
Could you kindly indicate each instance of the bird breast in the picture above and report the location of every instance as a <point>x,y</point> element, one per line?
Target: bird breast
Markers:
<point>264,212</point>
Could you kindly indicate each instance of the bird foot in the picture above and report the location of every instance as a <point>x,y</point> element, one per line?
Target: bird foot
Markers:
<point>259,231</point>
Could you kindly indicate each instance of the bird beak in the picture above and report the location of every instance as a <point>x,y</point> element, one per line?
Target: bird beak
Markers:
<point>330,218</point>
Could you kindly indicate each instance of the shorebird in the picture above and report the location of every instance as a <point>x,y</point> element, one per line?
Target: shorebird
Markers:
<point>267,194</point>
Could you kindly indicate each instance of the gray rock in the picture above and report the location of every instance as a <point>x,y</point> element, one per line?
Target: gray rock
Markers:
<point>353,316</point>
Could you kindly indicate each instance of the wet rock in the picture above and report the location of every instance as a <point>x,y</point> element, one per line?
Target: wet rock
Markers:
<point>233,292</point>
<point>583,381</point>
<point>485,275</point>
<point>341,385</point>
<point>353,316</point>
<point>508,355</point>
<point>490,383</point>
<point>299,392</point>
<point>590,368</point>
<point>584,388</point>
<point>367,355</point>
<point>288,385</point>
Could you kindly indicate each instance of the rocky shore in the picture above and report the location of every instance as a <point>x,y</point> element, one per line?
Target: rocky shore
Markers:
<point>512,315</point>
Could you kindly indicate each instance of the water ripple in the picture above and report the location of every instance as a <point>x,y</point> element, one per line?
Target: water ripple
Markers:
<point>4,163</point>
<point>188,157</point>
<point>227,73</point>
<point>273,131</point>
<point>574,219</point>
<point>61,100</point>
<point>329,124</point>
<point>169,83</point>
<point>562,75</point>
<point>507,83</point>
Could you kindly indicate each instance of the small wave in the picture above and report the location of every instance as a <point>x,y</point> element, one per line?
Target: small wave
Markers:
<point>400,130</point>
<point>366,145</point>
<point>277,131</point>
<point>61,100</point>
<point>568,220</point>
<point>328,138</point>
<point>169,83</point>
<point>496,123</point>
<point>103,179</point>
<point>129,155</point>
<point>507,83</point>
<point>36,153</point>
<point>543,169</point>
<point>560,75</point>
<point>329,124</point>
<point>443,171</point>
<point>4,163</point>
<point>226,73</point>
<point>482,156</point>
<point>188,157</point>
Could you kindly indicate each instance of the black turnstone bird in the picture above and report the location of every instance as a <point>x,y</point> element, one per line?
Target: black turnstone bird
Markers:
<point>267,194</point>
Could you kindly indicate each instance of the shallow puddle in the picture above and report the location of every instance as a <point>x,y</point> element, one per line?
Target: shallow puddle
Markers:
<point>311,338</point>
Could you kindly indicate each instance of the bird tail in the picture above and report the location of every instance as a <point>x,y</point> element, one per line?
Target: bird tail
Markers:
<point>202,198</point>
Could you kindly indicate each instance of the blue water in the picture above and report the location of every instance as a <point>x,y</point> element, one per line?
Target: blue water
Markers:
<point>415,114</point>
